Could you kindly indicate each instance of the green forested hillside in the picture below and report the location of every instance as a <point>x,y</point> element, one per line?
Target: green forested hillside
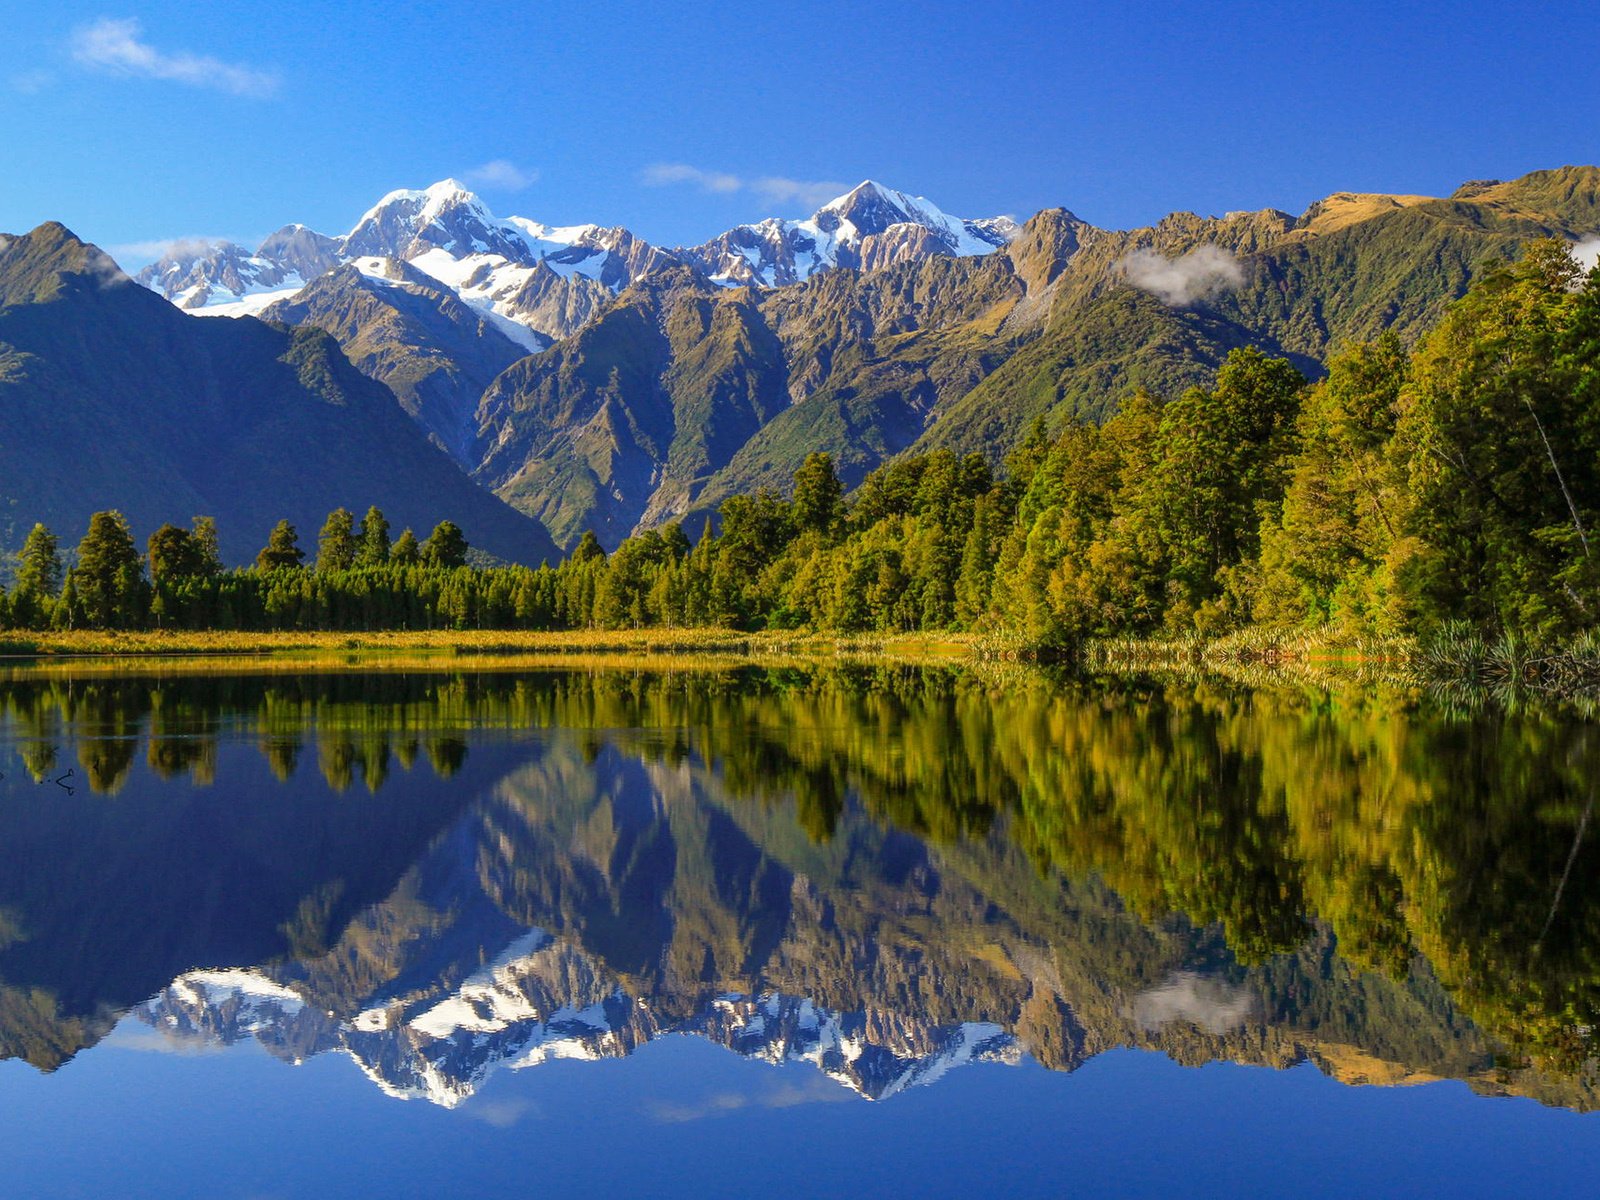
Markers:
<point>642,418</point>
<point>110,398</point>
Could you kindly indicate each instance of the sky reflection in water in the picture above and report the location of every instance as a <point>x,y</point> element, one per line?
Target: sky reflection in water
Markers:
<point>668,933</point>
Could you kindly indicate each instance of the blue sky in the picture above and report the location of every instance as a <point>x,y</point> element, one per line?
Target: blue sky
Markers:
<point>138,122</point>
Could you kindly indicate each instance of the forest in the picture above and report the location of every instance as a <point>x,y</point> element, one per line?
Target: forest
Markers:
<point>1411,488</point>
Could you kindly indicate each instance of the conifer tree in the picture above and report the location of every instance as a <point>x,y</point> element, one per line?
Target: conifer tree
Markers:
<point>406,551</point>
<point>282,549</point>
<point>110,575</point>
<point>373,539</point>
<point>38,579</point>
<point>336,544</point>
<point>446,546</point>
<point>817,495</point>
<point>208,551</point>
<point>588,548</point>
<point>172,554</point>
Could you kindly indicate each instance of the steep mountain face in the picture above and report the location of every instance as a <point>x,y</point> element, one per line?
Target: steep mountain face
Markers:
<point>616,426</point>
<point>112,398</point>
<point>406,330</point>
<point>1068,319</point>
<point>1158,308</point>
<point>534,281</point>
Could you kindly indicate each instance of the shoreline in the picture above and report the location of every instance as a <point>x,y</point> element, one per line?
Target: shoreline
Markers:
<point>20,648</point>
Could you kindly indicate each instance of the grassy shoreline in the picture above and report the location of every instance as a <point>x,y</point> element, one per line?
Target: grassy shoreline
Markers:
<point>498,643</point>
<point>1455,656</point>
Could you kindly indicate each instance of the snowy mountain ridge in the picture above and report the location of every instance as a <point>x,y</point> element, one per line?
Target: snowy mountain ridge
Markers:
<point>542,1000</point>
<point>550,278</point>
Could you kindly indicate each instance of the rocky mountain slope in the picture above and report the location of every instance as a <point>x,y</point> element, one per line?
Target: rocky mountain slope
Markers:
<point>678,378</point>
<point>112,398</point>
<point>1065,320</point>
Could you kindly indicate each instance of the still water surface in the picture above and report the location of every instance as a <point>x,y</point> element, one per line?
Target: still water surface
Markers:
<point>808,931</point>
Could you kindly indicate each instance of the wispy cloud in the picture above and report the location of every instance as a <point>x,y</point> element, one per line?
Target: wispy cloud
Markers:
<point>503,1114</point>
<point>1587,253</point>
<point>667,174</point>
<point>815,1090</point>
<point>774,189</point>
<point>809,193</point>
<point>31,83</point>
<point>116,47</point>
<point>1213,1004</point>
<point>1179,282</point>
<point>501,173</point>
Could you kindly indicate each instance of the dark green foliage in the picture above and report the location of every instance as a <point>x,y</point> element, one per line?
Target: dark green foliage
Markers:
<point>372,549</point>
<point>207,547</point>
<point>336,544</point>
<point>109,575</point>
<point>406,552</point>
<point>588,547</point>
<point>38,580</point>
<point>446,546</point>
<point>818,496</point>
<point>172,553</point>
<point>282,549</point>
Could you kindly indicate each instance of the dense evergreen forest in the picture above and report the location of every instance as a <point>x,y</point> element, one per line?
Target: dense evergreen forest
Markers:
<point>1459,481</point>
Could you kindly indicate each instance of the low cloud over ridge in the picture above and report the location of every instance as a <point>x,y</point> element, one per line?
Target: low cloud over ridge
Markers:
<point>1178,282</point>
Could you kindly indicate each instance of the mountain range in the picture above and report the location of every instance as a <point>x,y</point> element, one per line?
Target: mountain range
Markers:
<point>591,380</point>
<point>112,398</point>
<point>679,377</point>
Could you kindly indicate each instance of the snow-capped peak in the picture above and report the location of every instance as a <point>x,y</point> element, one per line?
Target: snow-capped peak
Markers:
<point>544,280</point>
<point>868,227</point>
<point>423,204</point>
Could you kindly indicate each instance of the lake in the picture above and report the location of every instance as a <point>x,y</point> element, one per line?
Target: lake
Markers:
<point>711,929</point>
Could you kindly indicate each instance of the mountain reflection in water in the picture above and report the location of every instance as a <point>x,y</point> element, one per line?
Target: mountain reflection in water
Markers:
<point>883,872</point>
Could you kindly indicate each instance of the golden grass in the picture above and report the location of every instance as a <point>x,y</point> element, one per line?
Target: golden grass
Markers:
<point>1343,209</point>
<point>477,649</point>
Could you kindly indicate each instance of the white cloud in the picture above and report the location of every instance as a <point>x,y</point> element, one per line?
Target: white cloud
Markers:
<point>31,83</point>
<point>1587,253</point>
<point>809,193</point>
<point>501,173</point>
<point>773,189</point>
<point>138,254</point>
<point>1203,271</point>
<point>114,46</point>
<point>666,174</point>
<point>167,245</point>
<point>1212,1004</point>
